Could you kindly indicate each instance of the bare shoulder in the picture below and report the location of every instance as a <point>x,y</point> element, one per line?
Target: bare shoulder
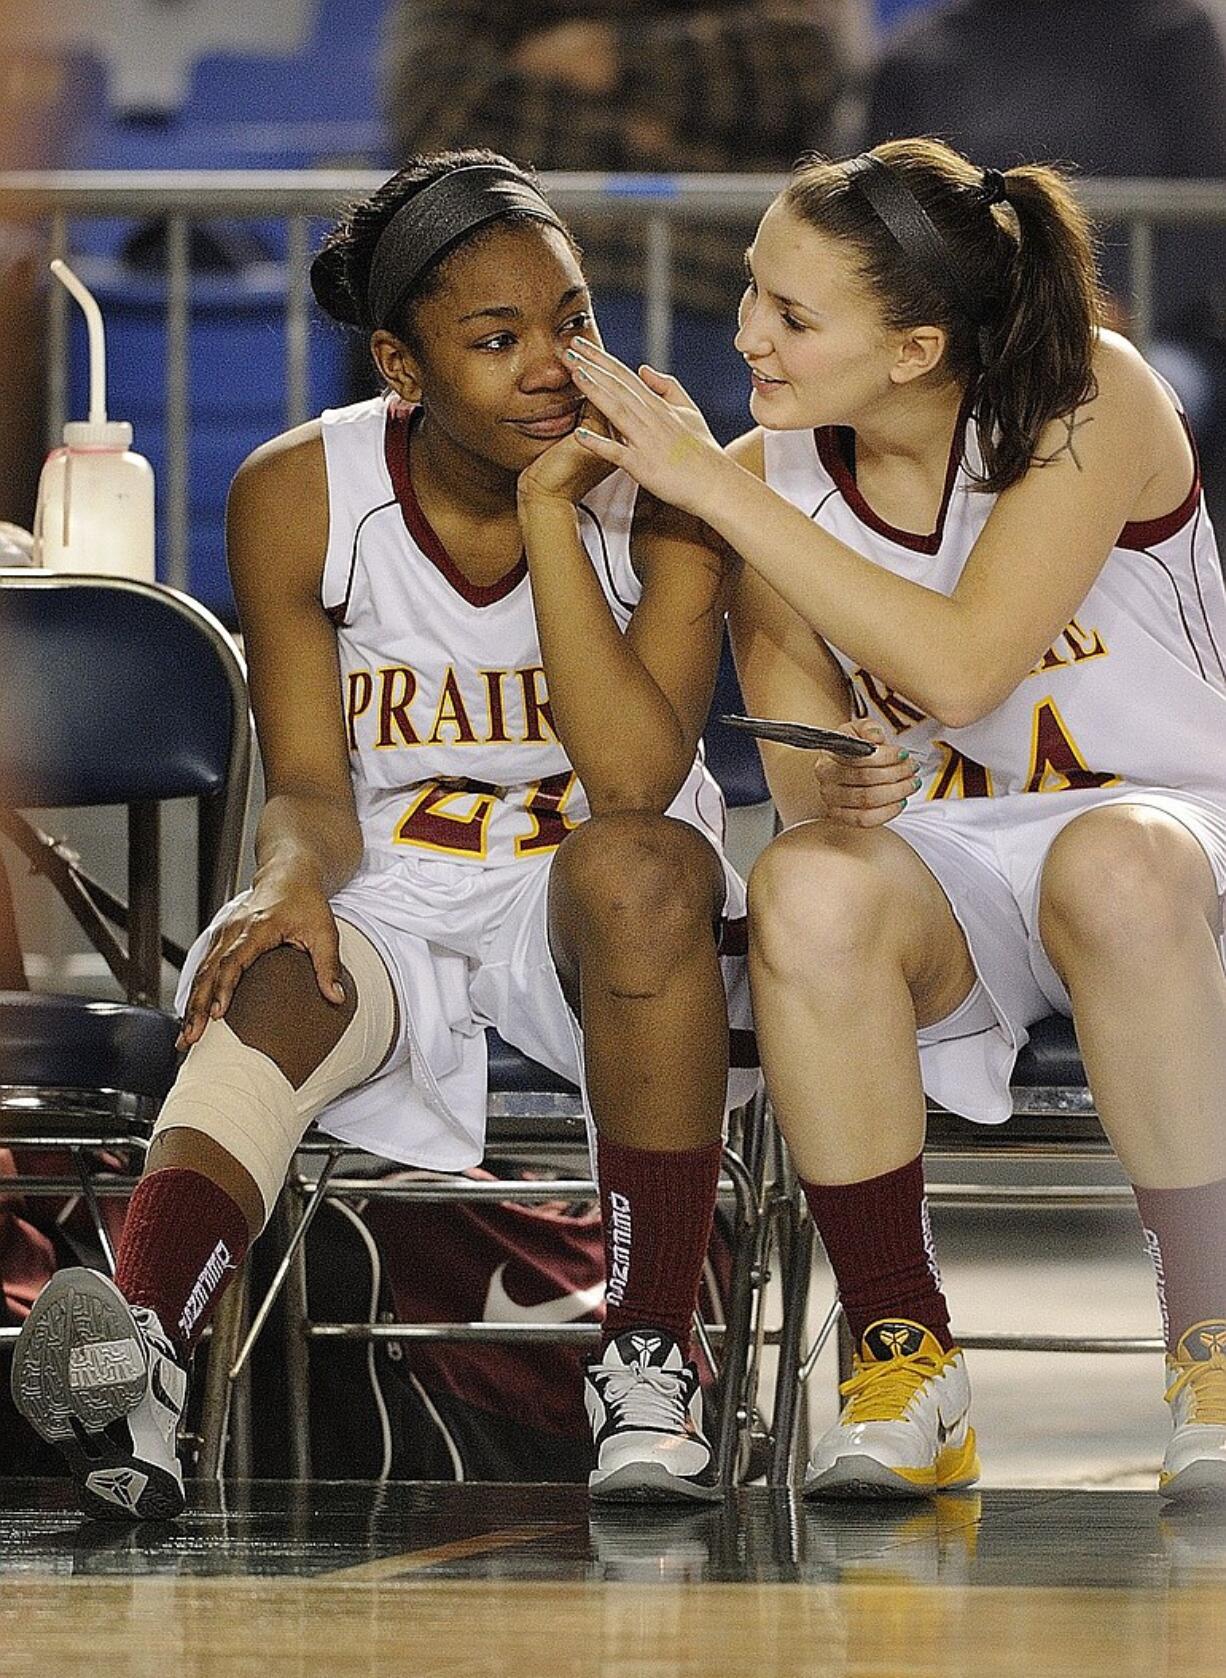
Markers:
<point>1127,390</point>
<point>1121,373</point>
<point>1126,431</point>
<point>749,451</point>
<point>277,513</point>
<point>290,464</point>
<point>1137,407</point>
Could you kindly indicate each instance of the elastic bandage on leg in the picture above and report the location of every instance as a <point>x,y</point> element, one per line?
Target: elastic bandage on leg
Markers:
<point>239,1097</point>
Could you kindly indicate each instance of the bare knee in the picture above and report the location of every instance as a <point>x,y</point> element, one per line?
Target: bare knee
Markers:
<point>634,893</point>
<point>277,1008</point>
<point>820,906</point>
<point>1121,884</point>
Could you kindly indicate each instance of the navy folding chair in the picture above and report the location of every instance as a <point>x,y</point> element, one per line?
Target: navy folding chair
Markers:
<point>127,694</point>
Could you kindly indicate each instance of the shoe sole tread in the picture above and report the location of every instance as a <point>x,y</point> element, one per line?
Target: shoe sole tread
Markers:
<point>1204,1480</point>
<point>75,1308</point>
<point>650,1483</point>
<point>955,1470</point>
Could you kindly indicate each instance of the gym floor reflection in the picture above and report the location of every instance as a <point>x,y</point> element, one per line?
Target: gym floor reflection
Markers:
<point>269,1577</point>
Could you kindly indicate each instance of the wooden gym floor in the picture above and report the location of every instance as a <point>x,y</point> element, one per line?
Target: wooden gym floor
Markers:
<point>268,1580</point>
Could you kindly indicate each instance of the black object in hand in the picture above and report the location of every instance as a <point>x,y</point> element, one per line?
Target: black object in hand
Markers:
<point>803,735</point>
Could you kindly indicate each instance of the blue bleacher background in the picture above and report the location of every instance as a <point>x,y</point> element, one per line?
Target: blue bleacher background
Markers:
<point>316,107</point>
<point>242,111</point>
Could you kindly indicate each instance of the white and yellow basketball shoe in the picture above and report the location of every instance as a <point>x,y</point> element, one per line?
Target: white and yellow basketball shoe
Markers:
<point>903,1431</point>
<point>1195,1461</point>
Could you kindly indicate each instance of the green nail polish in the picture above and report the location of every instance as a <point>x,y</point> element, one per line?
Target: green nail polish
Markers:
<point>917,783</point>
<point>904,755</point>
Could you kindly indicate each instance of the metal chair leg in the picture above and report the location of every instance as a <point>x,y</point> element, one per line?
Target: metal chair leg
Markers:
<point>95,1211</point>
<point>297,1237</point>
<point>227,1332</point>
<point>797,1270</point>
<point>731,1388</point>
<point>295,1314</point>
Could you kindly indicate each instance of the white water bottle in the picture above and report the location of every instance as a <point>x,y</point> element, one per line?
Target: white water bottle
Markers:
<point>95,495</point>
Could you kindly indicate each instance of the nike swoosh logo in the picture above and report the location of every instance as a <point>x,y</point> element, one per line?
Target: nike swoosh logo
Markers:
<point>567,1308</point>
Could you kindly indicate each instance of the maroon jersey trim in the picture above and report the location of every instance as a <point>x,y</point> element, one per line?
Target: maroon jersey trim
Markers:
<point>1140,534</point>
<point>396,436</point>
<point>834,449</point>
<point>835,446</point>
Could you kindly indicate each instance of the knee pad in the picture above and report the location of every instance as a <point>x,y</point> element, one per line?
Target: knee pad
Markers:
<point>240,1098</point>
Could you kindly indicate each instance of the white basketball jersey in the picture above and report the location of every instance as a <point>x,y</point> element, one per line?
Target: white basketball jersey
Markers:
<point>1132,692</point>
<point>452,746</point>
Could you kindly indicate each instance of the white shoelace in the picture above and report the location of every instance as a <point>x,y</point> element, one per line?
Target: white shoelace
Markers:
<point>651,1398</point>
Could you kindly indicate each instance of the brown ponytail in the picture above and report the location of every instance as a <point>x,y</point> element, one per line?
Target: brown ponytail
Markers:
<point>1021,316</point>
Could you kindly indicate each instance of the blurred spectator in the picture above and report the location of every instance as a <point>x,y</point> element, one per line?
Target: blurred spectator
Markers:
<point>668,85</point>
<point>1112,87</point>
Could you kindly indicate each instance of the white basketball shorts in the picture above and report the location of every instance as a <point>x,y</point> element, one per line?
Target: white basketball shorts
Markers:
<point>988,855</point>
<point>468,948</point>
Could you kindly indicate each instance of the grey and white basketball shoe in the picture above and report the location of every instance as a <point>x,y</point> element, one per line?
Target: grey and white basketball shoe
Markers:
<point>644,1402</point>
<point>98,1378</point>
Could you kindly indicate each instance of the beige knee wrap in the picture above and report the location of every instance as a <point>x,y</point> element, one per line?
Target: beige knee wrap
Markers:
<point>242,1100</point>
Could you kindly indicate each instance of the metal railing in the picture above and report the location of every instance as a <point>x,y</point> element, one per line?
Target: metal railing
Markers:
<point>298,197</point>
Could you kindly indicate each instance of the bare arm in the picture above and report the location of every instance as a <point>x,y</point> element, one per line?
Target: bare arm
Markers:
<point>275,528</point>
<point>308,843</point>
<point>629,708</point>
<point>787,671</point>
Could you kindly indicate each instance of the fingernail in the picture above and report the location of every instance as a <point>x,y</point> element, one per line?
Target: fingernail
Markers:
<point>582,431</point>
<point>572,355</point>
<point>579,373</point>
<point>904,755</point>
<point>917,783</point>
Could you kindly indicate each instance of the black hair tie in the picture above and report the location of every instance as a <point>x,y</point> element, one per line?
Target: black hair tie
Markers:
<point>995,187</point>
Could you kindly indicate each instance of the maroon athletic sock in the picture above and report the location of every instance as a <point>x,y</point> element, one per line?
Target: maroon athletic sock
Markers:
<point>879,1242</point>
<point>657,1210</point>
<point>1185,1233</point>
<point>183,1239</point>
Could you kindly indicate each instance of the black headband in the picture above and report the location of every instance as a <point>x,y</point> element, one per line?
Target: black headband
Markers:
<point>913,230</point>
<point>424,229</point>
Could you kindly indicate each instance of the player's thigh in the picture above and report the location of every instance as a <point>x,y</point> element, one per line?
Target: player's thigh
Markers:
<point>824,899</point>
